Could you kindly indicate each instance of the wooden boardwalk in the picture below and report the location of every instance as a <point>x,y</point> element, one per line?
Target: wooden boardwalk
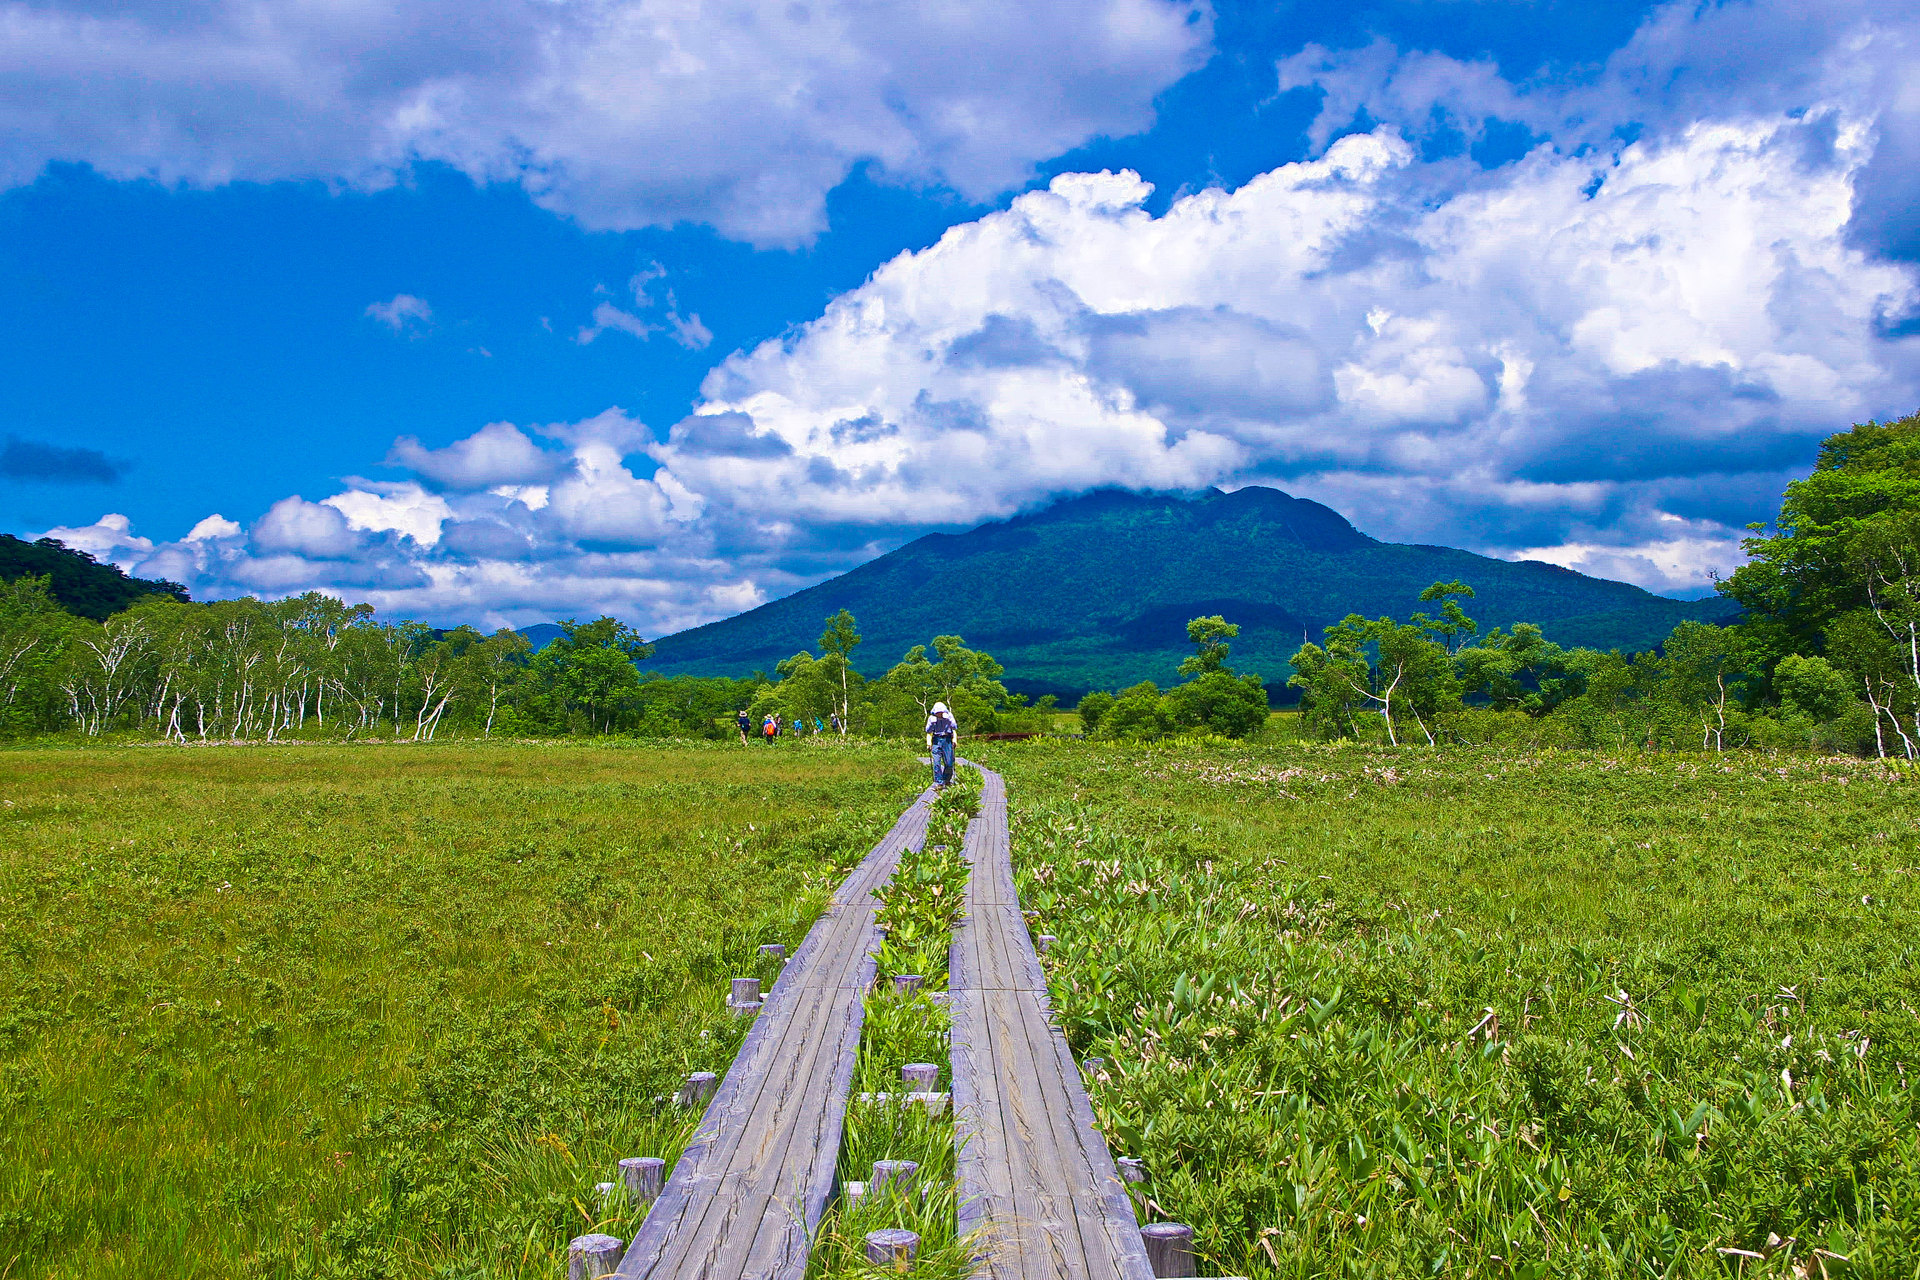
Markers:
<point>1035,1175</point>
<point>752,1185</point>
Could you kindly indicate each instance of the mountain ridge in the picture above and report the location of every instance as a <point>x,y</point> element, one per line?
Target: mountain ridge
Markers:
<point>1094,592</point>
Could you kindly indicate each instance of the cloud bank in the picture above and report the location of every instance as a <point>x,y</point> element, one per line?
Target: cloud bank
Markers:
<point>622,114</point>
<point>1610,353</point>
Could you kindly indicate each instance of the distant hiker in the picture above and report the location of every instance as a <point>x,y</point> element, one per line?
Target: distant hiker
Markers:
<point>770,728</point>
<point>942,733</point>
<point>818,727</point>
<point>744,721</point>
<point>838,727</point>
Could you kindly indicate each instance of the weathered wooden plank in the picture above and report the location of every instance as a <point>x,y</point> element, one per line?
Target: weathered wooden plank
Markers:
<point>750,1188</point>
<point>1036,1178</point>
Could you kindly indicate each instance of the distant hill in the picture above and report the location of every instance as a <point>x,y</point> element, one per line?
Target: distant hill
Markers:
<point>80,583</point>
<point>542,634</point>
<point>1095,592</point>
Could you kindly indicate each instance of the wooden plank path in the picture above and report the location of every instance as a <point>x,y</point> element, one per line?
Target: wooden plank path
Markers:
<point>751,1187</point>
<point>1036,1178</point>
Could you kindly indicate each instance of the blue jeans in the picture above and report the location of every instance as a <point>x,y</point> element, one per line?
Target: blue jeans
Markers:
<point>942,761</point>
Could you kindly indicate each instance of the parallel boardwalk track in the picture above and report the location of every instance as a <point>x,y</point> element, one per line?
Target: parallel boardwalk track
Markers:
<point>1036,1178</point>
<point>751,1187</point>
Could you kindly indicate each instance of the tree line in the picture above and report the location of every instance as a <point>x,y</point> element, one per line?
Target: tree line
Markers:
<point>1826,654</point>
<point>313,666</point>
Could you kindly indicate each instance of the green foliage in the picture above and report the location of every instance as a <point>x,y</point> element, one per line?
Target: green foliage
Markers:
<point>1219,702</point>
<point>1492,1013</point>
<point>379,1010</point>
<point>1209,637</point>
<point>1092,707</point>
<point>1138,714</point>
<point>966,680</point>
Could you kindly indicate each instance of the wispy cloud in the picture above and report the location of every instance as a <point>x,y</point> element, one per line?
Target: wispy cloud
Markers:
<point>57,464</point>
<point>403,311</point>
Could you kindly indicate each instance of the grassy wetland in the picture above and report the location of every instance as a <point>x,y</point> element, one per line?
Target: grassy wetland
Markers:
<point>1473,1013</point>
<point>376,1010</point>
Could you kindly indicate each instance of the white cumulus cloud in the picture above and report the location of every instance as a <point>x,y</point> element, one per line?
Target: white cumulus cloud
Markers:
<point>623,114</point>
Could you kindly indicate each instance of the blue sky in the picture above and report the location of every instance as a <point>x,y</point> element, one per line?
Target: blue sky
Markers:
<point>511,310</point>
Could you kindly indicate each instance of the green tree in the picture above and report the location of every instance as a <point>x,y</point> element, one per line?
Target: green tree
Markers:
<point>1411,678</point>
<point>1815,564</point>
<point>1092,707</point>
<point>1453,626</point>
<point>837,643</point>
<point>1209,636</point>
<point>966,680</point>
<point>1220,702</point>
<point>1138,714</point>
<point>1813,687</point>
<point>590,668</point>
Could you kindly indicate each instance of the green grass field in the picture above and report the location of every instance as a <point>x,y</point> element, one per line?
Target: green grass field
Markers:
<point>392,1011</point>
<point>379,1010</point>
<point>1469,1013</point>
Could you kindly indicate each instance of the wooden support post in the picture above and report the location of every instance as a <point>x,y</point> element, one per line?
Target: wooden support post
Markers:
<point>774,950</point>
<point>744,998</point>
<point>698,1088</point>
<point>644,1176</point>
<point>921,1077</point>
<point>905,984</point>
<point>893,1248</point>
<point>1169,1248</point>
<point>1132,1169</point>
<point>897,1174</point>
<point>1046,941</point>
<point>590,1257</point>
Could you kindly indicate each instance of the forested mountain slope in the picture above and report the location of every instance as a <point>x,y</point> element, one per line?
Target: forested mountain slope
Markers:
<point>1094,592</point>
<point>80,583</point>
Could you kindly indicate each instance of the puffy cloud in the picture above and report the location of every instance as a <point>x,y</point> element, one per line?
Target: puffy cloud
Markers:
<point>214,528</point>
<point>497,454</point>
<point>110,538</point>
<point>1848,60</point>
<point>624,114</point>
<point>312,529</point>
<point>1548,355</point>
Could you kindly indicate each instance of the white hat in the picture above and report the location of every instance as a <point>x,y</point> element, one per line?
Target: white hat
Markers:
<point>939,706</point>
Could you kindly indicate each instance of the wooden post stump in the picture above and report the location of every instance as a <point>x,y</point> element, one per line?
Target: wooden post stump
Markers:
<point>905,984</point>
<point>1094,1066</point>
<point>1046,941</point>
<point>774,950</point>
<point>744,998</point>
<point>1169,1248</point>
<point>921,1077</point>
<point>644,1176</point>
<point>893,1248</point>
<point>698,1088</point>
<point>895,1174</point>
<point>1132,1169</point>
<point>590,1257</point>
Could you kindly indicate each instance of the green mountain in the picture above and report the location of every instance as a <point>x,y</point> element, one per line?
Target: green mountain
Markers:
<point>1095,592</point>
<point>80,583</point>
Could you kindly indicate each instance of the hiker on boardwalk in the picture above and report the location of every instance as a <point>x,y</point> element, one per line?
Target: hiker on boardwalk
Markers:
<point>942,733</point>
<point>744,722</point>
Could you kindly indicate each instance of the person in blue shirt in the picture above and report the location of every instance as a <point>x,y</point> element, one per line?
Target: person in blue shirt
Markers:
<point>942,733</point>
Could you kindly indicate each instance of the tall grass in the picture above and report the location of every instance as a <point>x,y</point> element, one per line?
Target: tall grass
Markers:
<point>1474,1013</point>
<point>379,1010</point>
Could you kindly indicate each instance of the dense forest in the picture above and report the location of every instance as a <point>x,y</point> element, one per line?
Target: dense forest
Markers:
<point>1826,656</point>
